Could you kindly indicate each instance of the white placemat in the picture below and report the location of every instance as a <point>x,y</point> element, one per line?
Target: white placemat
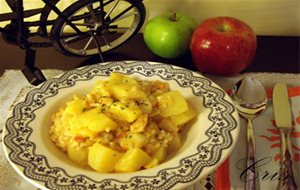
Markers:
<point>13,85</point>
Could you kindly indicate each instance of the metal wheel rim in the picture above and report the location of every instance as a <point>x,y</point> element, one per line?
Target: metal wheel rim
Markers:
<point>112,44</point>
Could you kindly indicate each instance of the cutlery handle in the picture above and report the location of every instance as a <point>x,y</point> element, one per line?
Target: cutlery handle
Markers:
<point>252,181</point>
<point>287,173</point>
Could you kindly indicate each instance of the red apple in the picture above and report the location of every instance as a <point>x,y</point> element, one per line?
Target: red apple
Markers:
<point>223,46</point>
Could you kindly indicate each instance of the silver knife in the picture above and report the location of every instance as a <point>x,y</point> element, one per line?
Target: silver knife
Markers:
<point>283,119</point>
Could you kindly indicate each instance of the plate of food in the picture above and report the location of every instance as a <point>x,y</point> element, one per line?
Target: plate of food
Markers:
<point>121,125</point>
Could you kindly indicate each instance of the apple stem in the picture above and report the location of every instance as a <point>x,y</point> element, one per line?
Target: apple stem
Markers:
<point>173,17</point>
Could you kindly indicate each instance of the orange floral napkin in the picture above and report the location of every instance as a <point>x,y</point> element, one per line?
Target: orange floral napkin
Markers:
<point>267,139</point>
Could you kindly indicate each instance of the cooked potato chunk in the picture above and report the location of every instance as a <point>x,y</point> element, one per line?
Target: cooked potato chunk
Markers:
<point>96,121</point>
<point>133,160</point>
<point>76,106</point>
<point>157,158</point>
<point>116,78</point>
<point>125,87</point>
<point>78,154</point>
<point>120,91</point>
<point>168,125</point>
<point>184,117</point>
<point>125,110</point>
<point>76,129</point>
<point>145,105</point>
<point>171,103</point>
<point>140,124</point>
<point>133,140</point>
<point>102,158</point>
<point>175,144</point>
<point>101,89</point>
<point>90,123</point>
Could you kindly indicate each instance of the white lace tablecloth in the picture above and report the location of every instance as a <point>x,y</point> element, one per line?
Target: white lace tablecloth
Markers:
<point>13,85</point>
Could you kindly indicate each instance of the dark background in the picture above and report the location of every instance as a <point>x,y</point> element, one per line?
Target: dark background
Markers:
<point>274,54</point>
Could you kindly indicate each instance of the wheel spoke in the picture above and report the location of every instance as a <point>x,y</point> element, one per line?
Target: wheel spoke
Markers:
<point>120,29</point>
<point>85,24</point>
<point>106,41</point>
<point>92,13</point>
<point>87,44</point>
<point>126,16</point>
<point>111,9</point>
<point>108,2</point>
<point>121,14</point>
<point>71,38</point>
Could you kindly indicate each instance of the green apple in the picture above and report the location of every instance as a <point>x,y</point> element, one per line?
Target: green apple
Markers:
<point>168,35</point>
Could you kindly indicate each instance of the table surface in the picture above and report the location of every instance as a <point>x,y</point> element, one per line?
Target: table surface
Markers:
<point>274,54</point>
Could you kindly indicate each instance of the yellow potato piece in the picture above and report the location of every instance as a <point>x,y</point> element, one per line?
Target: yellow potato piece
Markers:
<point>96,121</point>
<point>183,118</point>
<point>175,144</point>
<point>102,158</point>
<point>125,110</point>
<point>101,89</point>
<point>157,158</point>
<point>77,129</point>
<point>125,87</point>
<point>116,77</point>
<point>133,160</point>
<point>78,154</point>
<point>120,78</point>
<point>168,125</point>
<point>75,107</point>
<point>145,105</point>
<point>120,91</point>
<point>140,124</point>
<point>171,103</point>
<point>133,140</point>
<point>126,91</point>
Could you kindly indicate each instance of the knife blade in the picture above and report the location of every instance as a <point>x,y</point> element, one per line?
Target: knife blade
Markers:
<point>282,110</point>
<point>283,120</point>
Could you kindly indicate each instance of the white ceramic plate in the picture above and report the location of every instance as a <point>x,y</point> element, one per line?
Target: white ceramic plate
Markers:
<point>208,141</point>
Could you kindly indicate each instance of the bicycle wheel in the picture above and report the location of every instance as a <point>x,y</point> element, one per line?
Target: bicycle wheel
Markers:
<point>110,22</point>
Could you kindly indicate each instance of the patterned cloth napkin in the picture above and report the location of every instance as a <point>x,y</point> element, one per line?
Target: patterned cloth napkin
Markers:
<point>14,85</point>
<point>267,140</point>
